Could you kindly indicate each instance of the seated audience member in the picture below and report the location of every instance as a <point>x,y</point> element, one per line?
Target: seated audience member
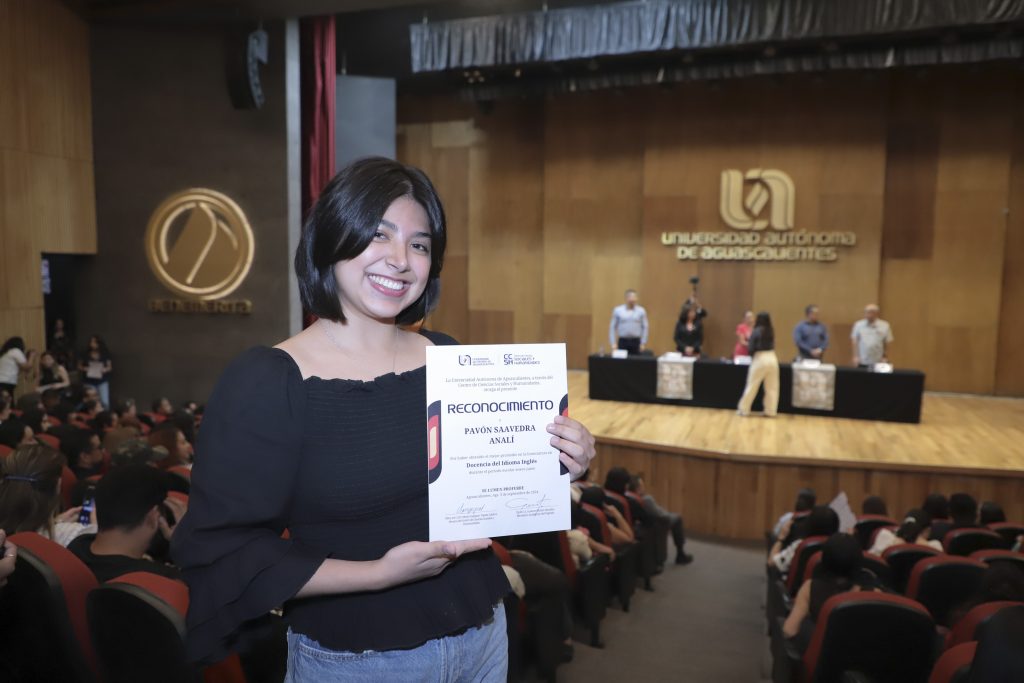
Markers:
<point>104,422</point>
<point>937,507</point>
<point>26,402</point>
<point>168,436</point>
<point>30,496</point>
<point>617,481</point>
<point>991,513</point>
<point>963,511</point>
<point>37,420</point>
<point>618,527</point>
<point>1003,581</point>
<point>8,558</point>
<point>89,409</point>
<point>916,528</point>
<point>805,500</point>
<point>548,589</point>
<point>1000,654</point>
<point>162,407</point>
<point>129,512</point>
<point>838,572</point>
<point>673,520</point>
<point>14,433</point>
<point>82,450</point>
<point>582,544</point>
<point>89,393</point>
<point>874,505</point>
<point>822,521</point>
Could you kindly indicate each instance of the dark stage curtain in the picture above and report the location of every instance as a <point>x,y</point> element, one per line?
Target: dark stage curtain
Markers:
<point>659,25</point>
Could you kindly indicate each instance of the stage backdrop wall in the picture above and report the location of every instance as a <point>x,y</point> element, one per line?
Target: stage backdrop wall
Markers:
<point>163,123</point>
<point>46,161</point>
<point>557,205</point>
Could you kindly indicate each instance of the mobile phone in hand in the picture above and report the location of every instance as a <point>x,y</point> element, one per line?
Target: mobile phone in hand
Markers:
<point>88,505</point>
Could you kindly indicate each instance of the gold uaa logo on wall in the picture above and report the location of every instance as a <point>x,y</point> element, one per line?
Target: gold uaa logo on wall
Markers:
<point>766,185</point>
<point>199,244</point>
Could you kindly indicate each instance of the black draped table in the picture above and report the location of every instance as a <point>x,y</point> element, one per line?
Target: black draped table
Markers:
<point>859,393</point>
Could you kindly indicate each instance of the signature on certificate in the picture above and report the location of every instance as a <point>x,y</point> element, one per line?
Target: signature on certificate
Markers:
<point>526,503</point>
<point>469,509</point>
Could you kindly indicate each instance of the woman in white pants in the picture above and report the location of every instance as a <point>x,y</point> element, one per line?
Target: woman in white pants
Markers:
<point>764,367</point>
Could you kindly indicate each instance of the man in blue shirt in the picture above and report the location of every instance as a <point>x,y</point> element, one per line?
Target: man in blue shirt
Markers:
<point>628,328</point>
<point>810,336</point>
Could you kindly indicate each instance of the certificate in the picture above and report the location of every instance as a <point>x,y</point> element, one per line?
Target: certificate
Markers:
<point>491,468</point>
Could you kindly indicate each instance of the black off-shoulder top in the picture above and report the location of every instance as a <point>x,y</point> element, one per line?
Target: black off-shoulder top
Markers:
<point>339,463</point>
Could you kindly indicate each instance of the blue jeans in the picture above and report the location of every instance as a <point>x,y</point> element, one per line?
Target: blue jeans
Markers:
<point>479,654</point>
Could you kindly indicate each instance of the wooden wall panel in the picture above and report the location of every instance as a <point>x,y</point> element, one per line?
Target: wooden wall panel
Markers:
<point>1010,344</point>
<point>568,197</point>
<point>47,194</point>
<point>740,499</point>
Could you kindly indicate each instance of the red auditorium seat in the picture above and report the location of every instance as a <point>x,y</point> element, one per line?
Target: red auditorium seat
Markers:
<point>624,569</point>
<point>992,556</point>
<point>44,629</point>
<point>879,567</point>
<point>812,563</point>
<point>954,666</point>
<point>963,542</point>
<point>941,583</point>
<point>622,504</point>
<point>809,546</point>
<point>138,627</point>
<point>867,525</point>
<point>887,638</point>
<point>50,440</point>
<point>1009,531</point>
<point>515,611</point>
<point>969,627</point>
<point>647,552</point>
<point>181,471</point>
<point>901,560</point>
<point>589,583</point>
<point>5,450</point>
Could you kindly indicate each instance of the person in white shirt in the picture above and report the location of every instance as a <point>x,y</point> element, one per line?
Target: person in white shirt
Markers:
<point>916,529</point>
<point>871,337</point>
<point>14,362</point>
<point>629,327</point>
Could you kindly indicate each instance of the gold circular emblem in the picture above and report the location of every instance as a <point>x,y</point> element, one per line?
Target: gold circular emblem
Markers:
<point>199,244</point>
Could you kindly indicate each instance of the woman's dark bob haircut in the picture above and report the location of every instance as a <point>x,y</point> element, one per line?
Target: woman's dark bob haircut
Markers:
<point>343,222</point>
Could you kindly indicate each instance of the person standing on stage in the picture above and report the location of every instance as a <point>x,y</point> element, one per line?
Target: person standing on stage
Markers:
<point>871,337</point>
<point>629,327</point>
<point>743,331</point>
<point>810,335</point>
<point>689,334</point>
<point>323,436</point>
<point>763,368</point>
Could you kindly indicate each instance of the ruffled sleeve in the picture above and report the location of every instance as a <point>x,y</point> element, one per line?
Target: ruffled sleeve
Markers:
<point>229,544</point>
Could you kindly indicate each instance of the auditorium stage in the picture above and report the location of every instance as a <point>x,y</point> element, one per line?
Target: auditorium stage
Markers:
<point>730,476</point>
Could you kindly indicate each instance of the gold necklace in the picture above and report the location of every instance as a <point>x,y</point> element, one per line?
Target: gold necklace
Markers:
<point>326,326</point>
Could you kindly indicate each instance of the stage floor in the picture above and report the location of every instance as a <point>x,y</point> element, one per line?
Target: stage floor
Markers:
<point>976,433</point>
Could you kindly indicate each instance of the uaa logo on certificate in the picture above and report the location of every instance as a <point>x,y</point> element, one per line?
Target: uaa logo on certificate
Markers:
<point>766,185</point>
<point>199,244</point>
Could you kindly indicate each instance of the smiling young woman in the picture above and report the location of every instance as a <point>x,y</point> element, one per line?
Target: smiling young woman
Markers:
<point>323,435</point>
